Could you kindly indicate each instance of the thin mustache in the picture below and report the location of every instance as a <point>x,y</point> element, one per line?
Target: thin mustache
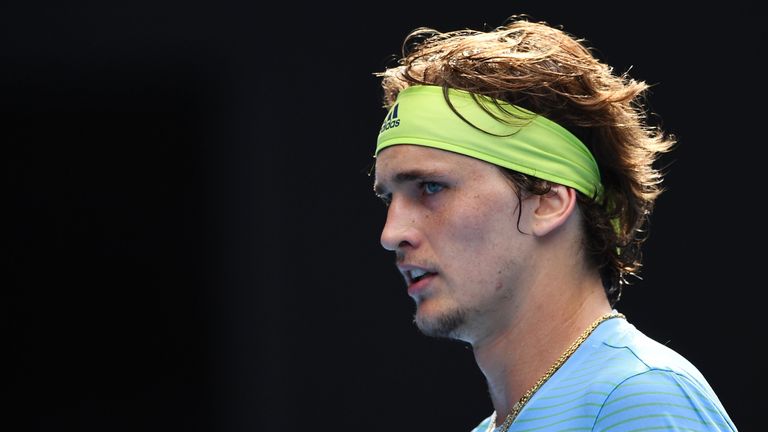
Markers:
<point>400,259</point>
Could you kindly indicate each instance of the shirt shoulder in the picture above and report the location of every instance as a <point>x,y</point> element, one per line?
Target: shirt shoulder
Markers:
<point>656,389</point>
<point>661,400</point>
<point>619,379</point>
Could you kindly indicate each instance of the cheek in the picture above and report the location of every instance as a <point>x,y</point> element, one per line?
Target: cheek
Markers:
<point>481,222</point>
<point>482,236</point>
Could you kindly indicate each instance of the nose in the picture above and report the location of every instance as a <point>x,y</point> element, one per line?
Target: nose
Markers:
<point>400,229</point>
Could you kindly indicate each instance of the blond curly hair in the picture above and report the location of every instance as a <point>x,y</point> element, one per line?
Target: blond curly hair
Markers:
<point>550,72</point>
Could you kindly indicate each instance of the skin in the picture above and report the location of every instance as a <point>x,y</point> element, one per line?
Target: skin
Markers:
<point>503,275</point>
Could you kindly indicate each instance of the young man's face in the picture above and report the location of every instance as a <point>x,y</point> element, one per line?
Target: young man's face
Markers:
<point>453,223</point>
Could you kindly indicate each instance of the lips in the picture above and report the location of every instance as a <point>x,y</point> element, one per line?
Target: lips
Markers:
<point>418,287</point>
<point>417,274</point>
<point>417,278</point>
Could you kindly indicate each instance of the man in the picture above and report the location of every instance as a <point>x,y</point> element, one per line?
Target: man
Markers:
<point>518,174</point>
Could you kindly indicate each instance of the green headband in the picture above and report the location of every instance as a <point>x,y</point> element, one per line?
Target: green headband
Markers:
<point>496,132</point>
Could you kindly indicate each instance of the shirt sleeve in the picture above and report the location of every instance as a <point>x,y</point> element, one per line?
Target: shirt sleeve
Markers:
<point>660,400</point>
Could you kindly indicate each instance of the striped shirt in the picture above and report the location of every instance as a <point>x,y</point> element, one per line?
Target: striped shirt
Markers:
<point>621,380</point>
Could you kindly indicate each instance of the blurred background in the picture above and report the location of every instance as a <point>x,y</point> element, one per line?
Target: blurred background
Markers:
<point>191,240</point>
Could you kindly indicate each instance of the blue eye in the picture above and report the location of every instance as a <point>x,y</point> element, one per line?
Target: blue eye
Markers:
<point>432,188</point>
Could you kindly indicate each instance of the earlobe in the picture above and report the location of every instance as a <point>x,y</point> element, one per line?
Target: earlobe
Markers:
<point>553,210</point>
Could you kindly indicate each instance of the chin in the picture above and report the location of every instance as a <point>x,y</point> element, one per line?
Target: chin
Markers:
<point>442,324</point>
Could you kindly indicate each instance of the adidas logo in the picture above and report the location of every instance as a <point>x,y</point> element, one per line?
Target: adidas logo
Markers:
<point>391,121</point>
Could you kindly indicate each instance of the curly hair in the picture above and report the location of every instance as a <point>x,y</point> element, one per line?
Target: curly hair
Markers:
<point>552,73</point>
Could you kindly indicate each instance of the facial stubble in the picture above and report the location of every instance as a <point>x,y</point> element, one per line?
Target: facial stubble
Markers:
<point>447,325</point>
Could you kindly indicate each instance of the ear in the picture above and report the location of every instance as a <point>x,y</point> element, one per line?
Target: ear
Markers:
<point>553,209</point>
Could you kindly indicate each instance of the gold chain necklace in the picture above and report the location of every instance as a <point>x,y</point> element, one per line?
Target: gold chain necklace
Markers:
<point>518,406</point>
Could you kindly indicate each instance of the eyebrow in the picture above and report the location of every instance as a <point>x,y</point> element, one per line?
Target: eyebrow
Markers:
<point>408,176</point>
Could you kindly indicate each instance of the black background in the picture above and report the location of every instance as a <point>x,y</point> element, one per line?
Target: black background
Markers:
<point>191,241</point>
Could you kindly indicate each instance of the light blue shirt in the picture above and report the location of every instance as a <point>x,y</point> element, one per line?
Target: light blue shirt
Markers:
<point>621,380</point>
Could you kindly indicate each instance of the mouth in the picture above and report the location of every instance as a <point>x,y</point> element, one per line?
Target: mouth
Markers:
<point>416,275</point>
<point>417,278</point>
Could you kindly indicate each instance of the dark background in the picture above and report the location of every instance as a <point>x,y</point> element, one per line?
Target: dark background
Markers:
<point>191,241</point>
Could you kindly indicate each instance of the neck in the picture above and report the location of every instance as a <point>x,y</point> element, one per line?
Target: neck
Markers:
<point>515,356</point>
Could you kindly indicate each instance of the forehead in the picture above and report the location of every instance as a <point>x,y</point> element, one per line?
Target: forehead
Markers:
<point>405,157</point>
<point>400,163</point>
